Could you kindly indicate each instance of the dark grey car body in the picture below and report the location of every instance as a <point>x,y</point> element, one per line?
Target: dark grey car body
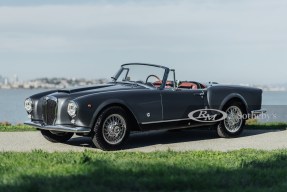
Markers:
<point>149,107</point>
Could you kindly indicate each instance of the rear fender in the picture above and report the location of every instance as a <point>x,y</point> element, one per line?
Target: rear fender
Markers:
<point>233,96</point>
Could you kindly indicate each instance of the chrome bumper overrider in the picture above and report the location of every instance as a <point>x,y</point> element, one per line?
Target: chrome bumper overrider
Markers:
<point>258,112</point>
<point>59,128</point>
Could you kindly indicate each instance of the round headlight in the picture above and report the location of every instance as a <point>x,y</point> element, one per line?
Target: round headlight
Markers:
<point>72,109</point>
<point>28,105</point>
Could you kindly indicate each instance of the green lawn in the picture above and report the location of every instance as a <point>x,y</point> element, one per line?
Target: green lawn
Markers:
<point>7,127</point>
<point>251,124</point>
<point>243,170</point>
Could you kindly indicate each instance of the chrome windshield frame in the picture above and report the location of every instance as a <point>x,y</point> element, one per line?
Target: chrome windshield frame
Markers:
<point>165,76</point>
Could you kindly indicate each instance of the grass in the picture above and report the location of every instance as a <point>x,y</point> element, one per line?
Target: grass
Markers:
<point>250,124</point>
<point>254,124</point>
<point>7,127</point>
<point>243,170</point>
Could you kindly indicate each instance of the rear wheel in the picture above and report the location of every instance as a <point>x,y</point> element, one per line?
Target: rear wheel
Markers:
<point>56,137</point>
<point>233,124</point>
<point>112,129</point>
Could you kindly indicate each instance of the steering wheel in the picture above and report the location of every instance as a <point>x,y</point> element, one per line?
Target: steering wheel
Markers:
<point>146,81</point>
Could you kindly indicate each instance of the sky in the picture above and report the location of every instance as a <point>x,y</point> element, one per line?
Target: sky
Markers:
<point>234,41</point>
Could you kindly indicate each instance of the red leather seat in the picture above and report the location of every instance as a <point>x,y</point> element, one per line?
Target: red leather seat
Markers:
<point>188,85</point>
<point>169,84</point>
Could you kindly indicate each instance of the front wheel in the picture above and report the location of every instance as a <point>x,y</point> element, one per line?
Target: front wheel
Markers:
<point>233,124</point>
<point>56,137</point>
<point>111,129</point>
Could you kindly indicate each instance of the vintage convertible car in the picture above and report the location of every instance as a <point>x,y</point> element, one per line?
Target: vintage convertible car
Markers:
<point>141,97</point>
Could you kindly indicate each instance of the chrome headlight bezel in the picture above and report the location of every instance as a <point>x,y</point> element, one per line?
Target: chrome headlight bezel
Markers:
<point>28,104</point>
<point>72,109</point>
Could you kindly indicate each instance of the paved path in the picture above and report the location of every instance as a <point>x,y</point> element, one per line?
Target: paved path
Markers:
<point>153,141</point>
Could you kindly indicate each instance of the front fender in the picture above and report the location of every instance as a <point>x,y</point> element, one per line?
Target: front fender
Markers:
<point>105,104</point>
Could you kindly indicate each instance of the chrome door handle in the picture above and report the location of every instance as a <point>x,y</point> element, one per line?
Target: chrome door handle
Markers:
<point>199,94</point>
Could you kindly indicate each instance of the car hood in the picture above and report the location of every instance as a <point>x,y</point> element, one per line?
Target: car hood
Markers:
<point>77,92</point>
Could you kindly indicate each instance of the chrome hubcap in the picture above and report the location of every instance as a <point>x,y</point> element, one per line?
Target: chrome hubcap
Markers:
<point>114,129</point>
<point>234,119</point>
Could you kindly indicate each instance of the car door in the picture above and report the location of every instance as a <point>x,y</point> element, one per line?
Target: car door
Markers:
<point>146,105</point>
<point>178,103</point>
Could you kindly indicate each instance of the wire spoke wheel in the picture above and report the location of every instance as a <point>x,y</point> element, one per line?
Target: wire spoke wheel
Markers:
<point>114,129</point>
<point>234,120</point>
<point>233,124</point>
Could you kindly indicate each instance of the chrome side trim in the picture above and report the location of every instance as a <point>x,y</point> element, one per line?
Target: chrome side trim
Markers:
<point>60,128</point>
<point>165,121</point>
<point>254,113</point>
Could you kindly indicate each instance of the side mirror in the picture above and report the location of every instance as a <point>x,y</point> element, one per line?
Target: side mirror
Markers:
<point>113,79</point>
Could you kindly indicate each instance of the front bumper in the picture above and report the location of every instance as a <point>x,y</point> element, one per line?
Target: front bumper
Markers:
<point>60,128</point>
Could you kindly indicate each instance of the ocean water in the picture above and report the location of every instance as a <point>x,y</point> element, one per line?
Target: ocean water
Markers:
<point>12,105</point>
<point>276,105</point>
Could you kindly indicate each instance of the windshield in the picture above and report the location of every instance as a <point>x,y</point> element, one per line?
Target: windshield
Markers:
<point>140,73</point>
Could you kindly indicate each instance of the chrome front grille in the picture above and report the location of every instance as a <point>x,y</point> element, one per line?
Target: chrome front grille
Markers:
<point>49,110</point>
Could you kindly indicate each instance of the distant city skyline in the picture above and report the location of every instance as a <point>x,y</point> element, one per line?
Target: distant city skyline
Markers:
<point>205,40</point>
